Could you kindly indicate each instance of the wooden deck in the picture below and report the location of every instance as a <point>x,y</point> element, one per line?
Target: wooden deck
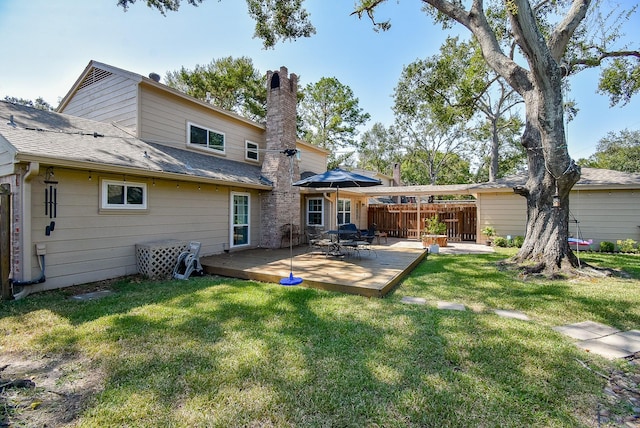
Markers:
<point>373,274</point>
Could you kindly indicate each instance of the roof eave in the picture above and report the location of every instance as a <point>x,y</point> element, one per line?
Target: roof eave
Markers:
<point>117,169</point>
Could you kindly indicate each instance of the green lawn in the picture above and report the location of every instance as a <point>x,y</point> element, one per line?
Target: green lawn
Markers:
<point>221,352</point>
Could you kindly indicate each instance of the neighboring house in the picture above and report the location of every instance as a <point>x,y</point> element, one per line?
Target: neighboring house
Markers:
<point>128,161</point>
<point>604,204</point>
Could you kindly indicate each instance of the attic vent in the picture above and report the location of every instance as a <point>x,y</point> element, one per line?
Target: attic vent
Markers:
<point>94,76</point>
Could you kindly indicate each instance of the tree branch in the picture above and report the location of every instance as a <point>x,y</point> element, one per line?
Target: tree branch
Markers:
<point>597,60</point>
<point>562,34</point>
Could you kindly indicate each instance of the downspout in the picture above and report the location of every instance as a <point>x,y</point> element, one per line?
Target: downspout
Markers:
<point>327,197</point>
<point>25,244</point>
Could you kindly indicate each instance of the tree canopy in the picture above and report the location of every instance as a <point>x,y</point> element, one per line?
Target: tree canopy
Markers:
<point>617,151</point>
<point>38,103</point>
<point>379,149</point>
<point>232,84</point>
<point>330,118</point>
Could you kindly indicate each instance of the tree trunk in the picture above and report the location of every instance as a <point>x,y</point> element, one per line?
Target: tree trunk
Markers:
<point>552,174</point>
<point>551,169</point>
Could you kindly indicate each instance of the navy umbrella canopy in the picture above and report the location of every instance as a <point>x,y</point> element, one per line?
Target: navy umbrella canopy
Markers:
<point>338,179</point>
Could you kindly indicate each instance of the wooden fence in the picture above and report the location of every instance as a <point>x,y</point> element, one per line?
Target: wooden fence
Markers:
<point>401,220</point>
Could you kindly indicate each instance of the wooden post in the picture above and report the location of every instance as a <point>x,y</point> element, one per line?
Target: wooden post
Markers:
<point>5,241</point>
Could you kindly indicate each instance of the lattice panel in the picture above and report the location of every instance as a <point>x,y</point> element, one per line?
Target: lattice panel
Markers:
<point>158,259</point>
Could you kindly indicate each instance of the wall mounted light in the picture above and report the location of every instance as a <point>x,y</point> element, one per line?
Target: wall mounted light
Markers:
<point>49,176</point>
<point>90,176</point>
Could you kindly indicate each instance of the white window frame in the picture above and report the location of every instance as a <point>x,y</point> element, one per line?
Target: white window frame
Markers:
<point>104,200</point>
<point>207,147</point>
<point>315,212</point>
<point>343,211</point>
<point>251,150</point>
<point>233,218</point>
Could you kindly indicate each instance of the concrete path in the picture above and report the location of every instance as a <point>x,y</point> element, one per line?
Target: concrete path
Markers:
<point>593,337</point>
<point>603,340</point>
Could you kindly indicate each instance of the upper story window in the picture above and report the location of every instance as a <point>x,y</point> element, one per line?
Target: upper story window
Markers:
<point>251,151</point>
<point>206,138</point>
<point>123,195</point>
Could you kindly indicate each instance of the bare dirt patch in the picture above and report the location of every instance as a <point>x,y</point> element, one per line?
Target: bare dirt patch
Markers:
<point>61,387</point>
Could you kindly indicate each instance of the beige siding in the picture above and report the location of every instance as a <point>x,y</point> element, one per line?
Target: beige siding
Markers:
<point>602,215</point>
<point>113,99</point>
<point>312,160</point>
<point>605,215</point>
<point>506,212</point>
<point>87,245</point>
<point>164,119</point>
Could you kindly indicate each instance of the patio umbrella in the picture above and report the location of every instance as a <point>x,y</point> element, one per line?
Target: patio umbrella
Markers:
<point>338,179</point>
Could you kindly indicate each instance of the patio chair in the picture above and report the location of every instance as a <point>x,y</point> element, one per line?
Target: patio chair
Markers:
<point>369,234</point>
<point>289,233</point>
<point>316,240</point>
<point>188,262</point>
<point>349,232</point>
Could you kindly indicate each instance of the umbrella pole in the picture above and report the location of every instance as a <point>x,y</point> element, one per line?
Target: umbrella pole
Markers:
<point>290,280</point>
<point>338,213</point>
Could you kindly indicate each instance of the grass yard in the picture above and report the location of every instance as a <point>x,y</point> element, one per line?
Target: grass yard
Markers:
<point>217,352</point>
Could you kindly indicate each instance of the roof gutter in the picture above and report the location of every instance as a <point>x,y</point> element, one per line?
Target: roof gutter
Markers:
<point>116,169</point>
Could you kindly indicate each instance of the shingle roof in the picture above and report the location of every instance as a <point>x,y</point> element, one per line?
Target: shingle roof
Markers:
<point>589,177</point>
<point>54,136</point>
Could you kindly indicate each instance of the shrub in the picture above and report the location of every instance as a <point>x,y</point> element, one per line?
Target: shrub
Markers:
<point>627,246</point>
<point>433,226</point>
<point>518,241</point>
<point>607,247</point>
<point>500,241</point>
<point>488,231</point>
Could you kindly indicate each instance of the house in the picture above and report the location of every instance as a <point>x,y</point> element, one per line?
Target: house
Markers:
<point>603,204</point>
<point>128,162</point>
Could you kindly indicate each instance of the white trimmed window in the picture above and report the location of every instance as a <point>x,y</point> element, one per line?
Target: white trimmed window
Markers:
<point>251,151</point>
<point>205,138</point>
<point>315,212</point>
<point>240,209</point>
<point>344,211</point>
<point>123,195</point>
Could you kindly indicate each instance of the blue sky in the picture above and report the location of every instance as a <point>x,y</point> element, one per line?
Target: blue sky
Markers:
<point>46,44</point>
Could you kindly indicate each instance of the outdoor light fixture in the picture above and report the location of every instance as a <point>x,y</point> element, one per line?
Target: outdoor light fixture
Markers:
<point>49,174</point>
<point>556,198</point>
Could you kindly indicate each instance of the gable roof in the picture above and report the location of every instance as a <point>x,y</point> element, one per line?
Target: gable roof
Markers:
<point>63,140</point>
<point>95,71</point>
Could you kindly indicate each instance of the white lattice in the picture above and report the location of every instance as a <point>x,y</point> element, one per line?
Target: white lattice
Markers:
<point>157,259</point>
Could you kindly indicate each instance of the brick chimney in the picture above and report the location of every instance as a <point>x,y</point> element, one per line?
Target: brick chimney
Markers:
<point>396,174</point>
<point>282,204</point>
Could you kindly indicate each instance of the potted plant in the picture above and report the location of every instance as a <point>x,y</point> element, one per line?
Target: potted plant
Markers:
<point>434,233</point>
<point>489,232</point>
